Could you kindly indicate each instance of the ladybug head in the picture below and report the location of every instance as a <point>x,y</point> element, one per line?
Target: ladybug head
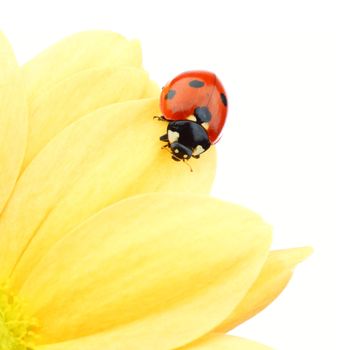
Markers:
<point>180,151</point>
<point>186,139</point>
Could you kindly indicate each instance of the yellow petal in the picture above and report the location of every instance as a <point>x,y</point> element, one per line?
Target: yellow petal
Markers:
<point>78,52</point>
<point>84,92</point>
<point>224,342</point>
<point>273,278</point>
<point>103,157</point>
<point>152,89</point>
<point>212,342</point>
<point>13,121</point>
<point>154,264</point>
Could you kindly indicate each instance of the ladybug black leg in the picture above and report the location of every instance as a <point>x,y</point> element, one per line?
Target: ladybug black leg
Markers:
<point>164,138</point>
<point>160,118</point>
<point>197,157</point>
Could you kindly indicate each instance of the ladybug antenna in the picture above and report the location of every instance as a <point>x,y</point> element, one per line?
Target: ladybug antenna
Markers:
<point>188,164</point>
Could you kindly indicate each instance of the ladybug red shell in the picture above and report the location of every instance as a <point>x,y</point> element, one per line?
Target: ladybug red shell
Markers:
<point>195,105</point>
<point>189,90</point>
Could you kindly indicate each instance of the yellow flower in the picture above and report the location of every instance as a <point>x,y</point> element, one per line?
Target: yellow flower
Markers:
<point>105,242</point>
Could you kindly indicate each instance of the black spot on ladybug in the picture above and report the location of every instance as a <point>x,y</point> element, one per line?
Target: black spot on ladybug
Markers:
<point>202,115</point>
<point>223,99</point>
<point>196,83</point>
<point>170,94</point>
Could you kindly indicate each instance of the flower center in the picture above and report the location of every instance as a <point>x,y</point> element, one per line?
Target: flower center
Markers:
<point>16,328</point>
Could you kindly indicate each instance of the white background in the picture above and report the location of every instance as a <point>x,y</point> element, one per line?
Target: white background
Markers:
<point>283,64</point>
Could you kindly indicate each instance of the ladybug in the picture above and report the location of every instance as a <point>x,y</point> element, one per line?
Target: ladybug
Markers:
<point>194,104</point>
